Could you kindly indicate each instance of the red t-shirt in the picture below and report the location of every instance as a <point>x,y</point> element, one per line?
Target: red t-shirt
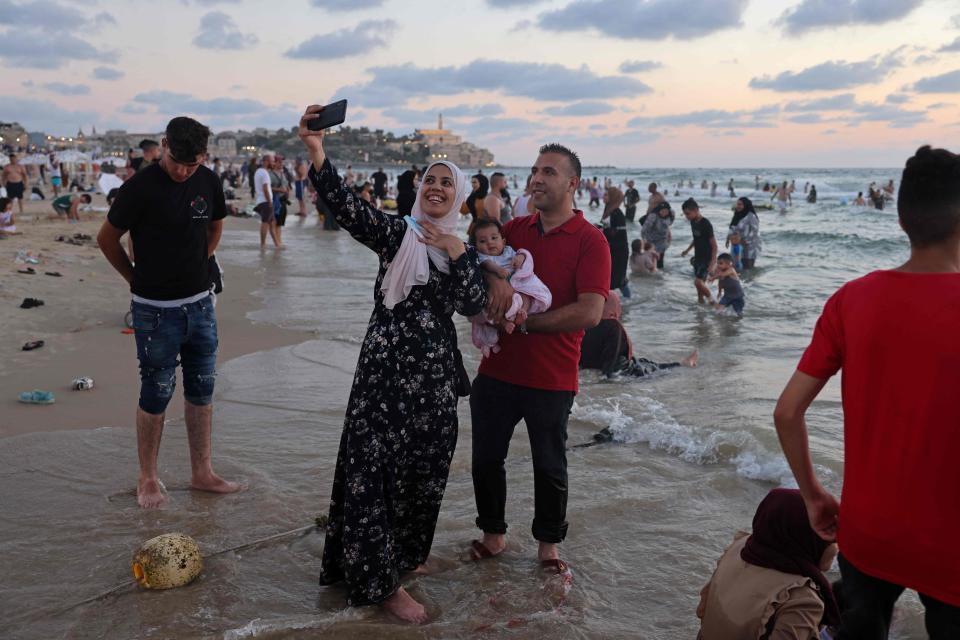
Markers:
<point>895,335</point>
<point>572,259</point>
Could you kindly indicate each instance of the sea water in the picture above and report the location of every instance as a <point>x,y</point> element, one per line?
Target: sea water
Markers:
<point>694,453</point>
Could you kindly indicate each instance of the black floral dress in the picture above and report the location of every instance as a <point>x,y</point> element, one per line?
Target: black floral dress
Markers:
<point>400,429</point>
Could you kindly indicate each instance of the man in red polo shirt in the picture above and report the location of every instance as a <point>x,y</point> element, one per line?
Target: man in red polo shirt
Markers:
<point>894,335</point>
<point>534,376</point>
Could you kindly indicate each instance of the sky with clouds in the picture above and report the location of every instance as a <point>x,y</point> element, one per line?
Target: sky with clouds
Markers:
<point>640,83</point>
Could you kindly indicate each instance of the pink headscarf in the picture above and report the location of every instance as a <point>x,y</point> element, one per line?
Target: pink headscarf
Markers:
<point>410,267</point>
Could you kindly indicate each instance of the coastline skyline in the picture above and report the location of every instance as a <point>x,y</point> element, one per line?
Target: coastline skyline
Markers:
<point>685,83</point>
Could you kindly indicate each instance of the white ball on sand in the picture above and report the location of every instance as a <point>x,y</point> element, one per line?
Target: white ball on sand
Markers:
<point>167,561</point>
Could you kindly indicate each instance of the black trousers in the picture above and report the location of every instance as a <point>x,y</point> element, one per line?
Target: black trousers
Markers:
<point>496,408</point>
<point>867,606</point>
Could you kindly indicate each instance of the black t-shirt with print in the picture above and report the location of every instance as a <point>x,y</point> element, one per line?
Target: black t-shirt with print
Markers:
<point>168,223</point>
<point>702,232</point>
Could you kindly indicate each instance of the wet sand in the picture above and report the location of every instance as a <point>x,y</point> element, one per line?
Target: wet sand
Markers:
<point>81,324</point>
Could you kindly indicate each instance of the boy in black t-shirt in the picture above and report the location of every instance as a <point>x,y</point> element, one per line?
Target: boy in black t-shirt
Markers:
<point>174,211</point>
<point>704,247</point>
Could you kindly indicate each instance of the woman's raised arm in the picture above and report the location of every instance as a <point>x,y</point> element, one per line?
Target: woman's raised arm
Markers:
<point>381,232</point>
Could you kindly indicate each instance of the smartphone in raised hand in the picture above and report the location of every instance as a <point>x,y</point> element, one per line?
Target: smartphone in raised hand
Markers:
<point>330,116</point>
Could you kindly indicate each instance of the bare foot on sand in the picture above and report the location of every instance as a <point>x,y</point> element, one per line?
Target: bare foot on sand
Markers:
<point>691,360</point>
<point>150,493</point>
<point>215,484</point>
<point>402,605</point>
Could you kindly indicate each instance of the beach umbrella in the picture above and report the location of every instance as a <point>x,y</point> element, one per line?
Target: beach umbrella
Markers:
<point>72,156</point>
<point>34,159</point>
<point>117,162</point>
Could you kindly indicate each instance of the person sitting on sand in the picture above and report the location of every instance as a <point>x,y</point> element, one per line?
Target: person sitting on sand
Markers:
<point>8,224</point>
<point>770,584</point>
<point>729,289</point>
<point>516,267</point>
<point>643,257</point>
<point>607,347</point>
<point>69,205</point>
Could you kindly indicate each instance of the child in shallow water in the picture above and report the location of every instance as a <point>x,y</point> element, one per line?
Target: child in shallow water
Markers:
<point>643,257</point>
<point>736,251</point>
<point>497,257</point>
<point>730,291</point>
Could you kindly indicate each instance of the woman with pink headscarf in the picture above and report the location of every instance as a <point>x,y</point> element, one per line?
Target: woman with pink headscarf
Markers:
<point>400,429</point>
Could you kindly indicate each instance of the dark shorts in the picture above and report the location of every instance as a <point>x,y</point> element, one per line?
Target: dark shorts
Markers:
<point>736,303</point>
<point>264,211</point>
<point>298,189</point>
<point>700,269</point>
<point>15,190</point>
<point>61,210</point>
<point>188,332</point>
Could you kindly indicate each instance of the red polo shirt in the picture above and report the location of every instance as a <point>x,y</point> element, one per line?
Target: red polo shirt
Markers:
<point>572,259</point>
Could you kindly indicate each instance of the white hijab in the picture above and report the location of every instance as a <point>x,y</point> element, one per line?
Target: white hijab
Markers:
<point>410,267</point>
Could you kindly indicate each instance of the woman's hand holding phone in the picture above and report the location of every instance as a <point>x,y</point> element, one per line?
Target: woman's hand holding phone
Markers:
<point>312,140</point>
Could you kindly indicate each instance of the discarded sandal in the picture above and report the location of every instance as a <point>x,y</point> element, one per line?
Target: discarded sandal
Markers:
<point>30,346</point>
<point>29,303</point>
<point>55,274</point>
<point>36,397</point>
<point>28,270</point>
<point>82,384</point>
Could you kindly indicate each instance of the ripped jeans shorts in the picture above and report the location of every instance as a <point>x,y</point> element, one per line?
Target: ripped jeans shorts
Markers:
<point>187,332</point>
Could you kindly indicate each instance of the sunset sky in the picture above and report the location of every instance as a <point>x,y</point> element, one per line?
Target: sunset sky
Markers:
<point>640,83</point>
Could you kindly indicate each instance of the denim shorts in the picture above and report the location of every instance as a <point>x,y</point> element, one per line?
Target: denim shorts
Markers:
<point>164,334</point>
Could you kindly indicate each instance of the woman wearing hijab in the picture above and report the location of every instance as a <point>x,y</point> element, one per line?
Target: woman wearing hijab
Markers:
<point>615,229</point>
<point>770,584</point>
<point>406,192</point>
<point>401,423</point>
<point>746,224</point>
<point>474,203</point>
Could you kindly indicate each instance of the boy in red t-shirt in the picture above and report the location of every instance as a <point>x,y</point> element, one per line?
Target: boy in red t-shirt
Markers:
<point>900,512</point>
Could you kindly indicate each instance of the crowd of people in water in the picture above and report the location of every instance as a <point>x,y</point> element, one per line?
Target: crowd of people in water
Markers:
<point>542,288</point>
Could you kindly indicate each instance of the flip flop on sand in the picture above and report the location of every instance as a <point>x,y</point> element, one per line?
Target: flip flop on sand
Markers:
<point>36,397</point>
<point>30,346</point>
<point>28,270</point>
<point>29,303</point>
<point>55,274</point>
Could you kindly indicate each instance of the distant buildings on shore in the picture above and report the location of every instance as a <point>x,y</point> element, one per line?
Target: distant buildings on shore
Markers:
<point>359,145</point>
<point>444,145</point>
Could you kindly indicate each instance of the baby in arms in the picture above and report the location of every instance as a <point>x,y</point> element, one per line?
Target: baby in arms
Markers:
<point>531,295</point>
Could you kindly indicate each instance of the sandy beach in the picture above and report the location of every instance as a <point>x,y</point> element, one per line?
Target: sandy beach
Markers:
<point>81,323</point>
